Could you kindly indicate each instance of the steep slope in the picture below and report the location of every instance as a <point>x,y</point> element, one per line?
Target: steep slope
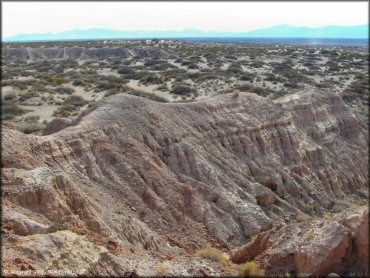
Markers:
<point>339,244</point>
<point>165,178</point>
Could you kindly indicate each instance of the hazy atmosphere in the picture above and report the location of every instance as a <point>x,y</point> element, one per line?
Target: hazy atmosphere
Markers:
<point>38,17</point>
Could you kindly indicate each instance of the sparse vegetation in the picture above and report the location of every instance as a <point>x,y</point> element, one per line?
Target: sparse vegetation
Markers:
<point>188,71</point>
<point>328,216</point>
<point>181,90</point>
<point>160,269</point>
<point>301,217</point>
<point>251,269</point>
<point>213,254</point>
<point>11,110</point>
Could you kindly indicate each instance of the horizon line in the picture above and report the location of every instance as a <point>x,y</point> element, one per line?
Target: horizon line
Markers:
<point>183,30</point>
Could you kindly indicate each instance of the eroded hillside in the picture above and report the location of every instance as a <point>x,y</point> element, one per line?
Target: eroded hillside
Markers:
<point>134,180</point>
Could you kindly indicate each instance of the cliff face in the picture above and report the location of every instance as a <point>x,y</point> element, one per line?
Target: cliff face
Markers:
<point>317,247</point>
<point>172,177</point>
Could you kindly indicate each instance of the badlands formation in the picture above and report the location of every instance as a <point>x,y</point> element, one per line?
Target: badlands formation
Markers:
<point>135,187</point>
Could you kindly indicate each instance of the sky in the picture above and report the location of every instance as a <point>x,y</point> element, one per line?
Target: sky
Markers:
<point>56,17</point>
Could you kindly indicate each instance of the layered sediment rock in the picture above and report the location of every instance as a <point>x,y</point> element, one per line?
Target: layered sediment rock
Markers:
<point>172,177</point>
<point>318,247</point>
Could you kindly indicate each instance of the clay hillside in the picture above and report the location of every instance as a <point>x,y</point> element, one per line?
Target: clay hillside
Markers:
<point>233,184</point>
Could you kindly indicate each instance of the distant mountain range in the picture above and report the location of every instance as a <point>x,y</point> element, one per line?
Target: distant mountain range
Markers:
<point>279,31</point>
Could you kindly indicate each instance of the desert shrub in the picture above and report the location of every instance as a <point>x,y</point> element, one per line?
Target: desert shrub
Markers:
<point>193,66</point>
<point>125,70</point>
<point>181,90</point>
<point>236,93</point>
<point>257,64</point>
<point>360,204</point>
<point>21,84</point>
<point>43,66</point>
<point>30,128</point>
<point>279,93</point>
<point>308,64</point>
<point>10,97</point>
<point>111,92</point>
<point>291,84</point>
<point>260,91</point>
<point>69,63</point>
<point>301,217</point>
<point>234,69</point>
<point>151,79</point>
<point>247,77</point>
<point>337,208</point>
<point>309,207</point>
<point>230,57</point>
<point>328,216</point>
<point>163,88</point>
<point>106,85</point>
<point>78,82</point>
<point>273,77</point>
<point>213,254</point>
<point>74,100</point>
<point>225,91</point>
<point>251,269</point>
<point>10,110</point>
<point>358,89</point>
<point>186,63</point>
<point>62,90</point>
<point>66,110</point>
<point>243,87</point>
<point>152,62</point>
<point>27,95</point>
<point>160,269</point>
<point>325,84</point>
<point>32,119</point>
<point>201,77</point>
<point>163,66</point>
<point>148,95</point>
<point>139,74</point>
<point>176,73</point>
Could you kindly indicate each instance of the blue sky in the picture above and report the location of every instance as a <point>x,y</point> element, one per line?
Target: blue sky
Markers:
<point>43,17</point>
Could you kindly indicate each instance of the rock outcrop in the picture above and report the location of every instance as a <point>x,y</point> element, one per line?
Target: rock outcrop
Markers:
<point>167,178</point>
<point>318,247</point>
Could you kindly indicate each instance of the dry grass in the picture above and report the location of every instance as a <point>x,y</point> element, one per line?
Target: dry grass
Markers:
<point>301,217</point>
<point>310,233</point>
<point>160,269</point>
<point>337,208</point>
<point>360,204</point>
<point>328,216</point>
<point>236,94</point>
<point>252,268</point>
<point>213,254</point>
